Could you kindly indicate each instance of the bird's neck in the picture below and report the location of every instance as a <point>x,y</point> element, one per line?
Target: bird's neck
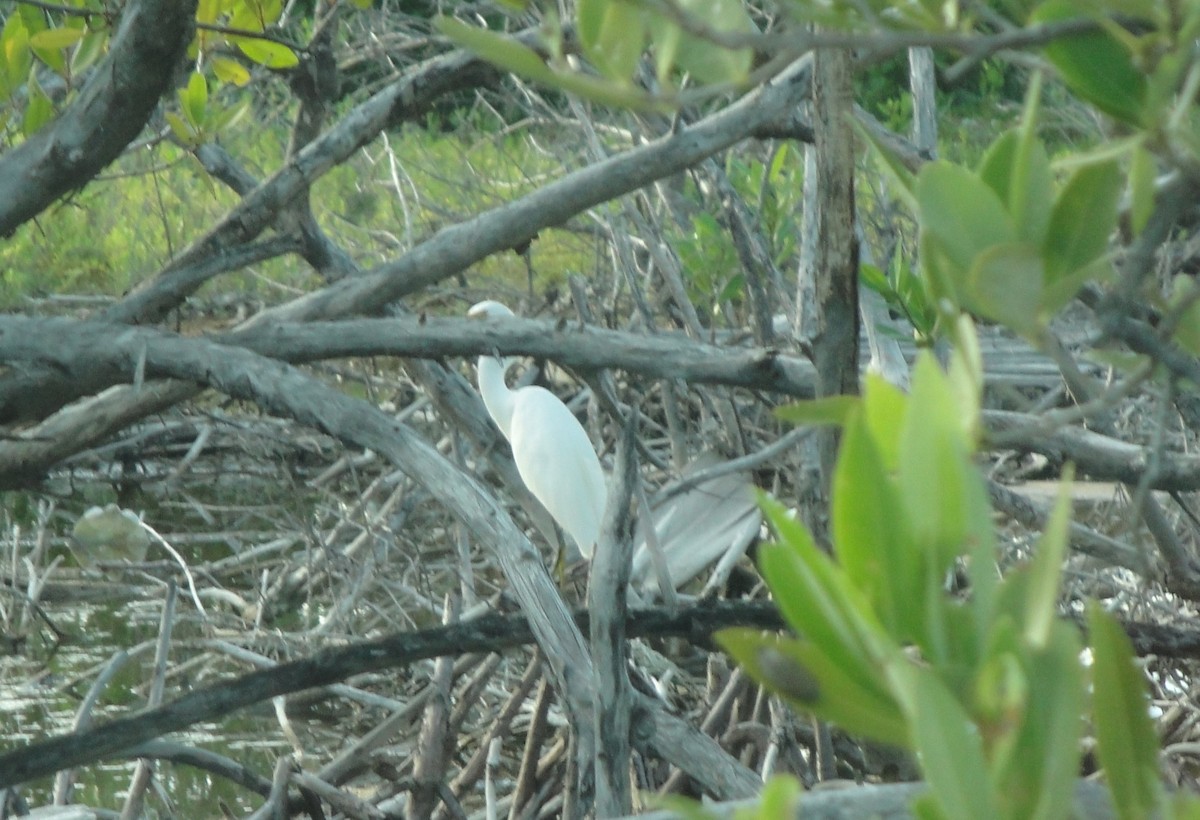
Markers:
<point>496,395</point>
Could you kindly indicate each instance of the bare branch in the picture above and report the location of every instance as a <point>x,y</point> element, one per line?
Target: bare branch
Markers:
<point>109,112</point>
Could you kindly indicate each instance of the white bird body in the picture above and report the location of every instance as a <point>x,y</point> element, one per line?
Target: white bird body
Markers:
<point>554,455</point>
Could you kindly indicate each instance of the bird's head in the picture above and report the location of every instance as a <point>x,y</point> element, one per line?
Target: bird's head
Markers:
<point>489,310</point>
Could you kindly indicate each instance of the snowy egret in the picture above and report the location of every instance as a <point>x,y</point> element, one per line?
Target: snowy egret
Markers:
<point>553,453</point>
<point>108,534</point>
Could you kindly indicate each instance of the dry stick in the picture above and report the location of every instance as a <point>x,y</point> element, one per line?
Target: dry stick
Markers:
<point>1083,539</point>
<point>430,763</point>
<point>1183,576</point>
<point>286,391</point>
<point>187,572</point>
<point>469,774</point>
<point>450,802</point>
<point>462,544</point>
<point>452,250</point>
<point>341,690</point>
<point>489,785</point>
<point>663,356</point>
<point>136,798</point>
<point>353,758</point>
<point>721,710</point>
<point>275,807</point>
<point>662,571</point>
<point>534,738</point>
<point>607,601</point>
<point>674,741</point>
<point>65,779</point>
<point>211,762</point>
<point>468,697</point>
<point>347,804</point>
<point>317,569</point>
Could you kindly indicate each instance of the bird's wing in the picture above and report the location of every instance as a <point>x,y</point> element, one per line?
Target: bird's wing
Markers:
<point>558,464</point>
<point>715,520</point>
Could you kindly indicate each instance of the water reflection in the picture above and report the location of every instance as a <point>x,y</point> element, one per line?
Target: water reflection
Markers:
<point>42,687</point>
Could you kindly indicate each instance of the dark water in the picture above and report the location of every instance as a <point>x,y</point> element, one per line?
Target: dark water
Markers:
<point>41,690</point>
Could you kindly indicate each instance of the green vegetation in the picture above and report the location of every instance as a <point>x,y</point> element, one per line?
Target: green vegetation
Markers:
<point>905,632</point>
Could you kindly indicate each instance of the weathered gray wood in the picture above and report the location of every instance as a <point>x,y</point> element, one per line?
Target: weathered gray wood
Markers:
<point>887,801</point>
<point>113,105</point>
<point>834,260</point>
<point>283,390</point>
<point>607,602</point>
<point>922,80</point>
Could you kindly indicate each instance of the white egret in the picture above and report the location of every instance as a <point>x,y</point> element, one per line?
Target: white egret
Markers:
<point>553,453</point>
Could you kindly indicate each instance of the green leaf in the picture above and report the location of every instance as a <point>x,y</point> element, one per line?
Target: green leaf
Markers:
<point>832,410</point>
<point>1040,781</point>
<point>870,536</point>
<point>267,53</point>
<point>33,18</point>
<point>193,99</point>
<point>57,39</point>
<point>613,35</point>
<point>513,56</point>
<point>999,694</point>
<point>883,403</point>
<point>665,39</point>
<point>14,47</point>
<point>1020,175</point>
<point>962,213</point>
<point>91,48</point>
<point>934,467</point>
<point>184,131</point>
<point>1006,284</point>
<point>1142,173</point>
<point>1126,741</point>
<point>965,374</point>
<point>495,48</point>
<point>706,61</point>
<point>1095,65</point>
<point>1083,218</point>
<point>817,599</point>
<point>1183,805</point>
<point>1046,570</point>
<point>779,797</point>
<point>812,681</point>
<point>38,109</point>
<point>43,45</point>
<point>779,164</point>
<point>876,280</point>
<point>230,71</point>
<point>207,11</point>
<point>951,751</point>
<point>1187,330</point>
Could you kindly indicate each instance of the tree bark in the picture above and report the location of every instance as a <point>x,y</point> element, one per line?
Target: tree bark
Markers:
<point>109,112</point>
<point>835,258</point>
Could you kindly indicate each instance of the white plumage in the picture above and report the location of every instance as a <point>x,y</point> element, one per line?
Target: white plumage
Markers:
<point>553,453</point>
